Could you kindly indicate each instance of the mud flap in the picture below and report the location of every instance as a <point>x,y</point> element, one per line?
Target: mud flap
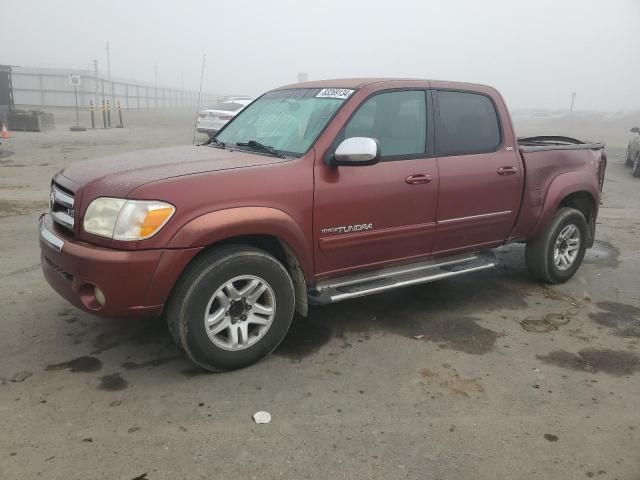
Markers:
<point>591,232</point>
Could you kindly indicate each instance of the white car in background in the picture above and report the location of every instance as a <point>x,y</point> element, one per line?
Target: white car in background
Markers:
<point>213,118</point>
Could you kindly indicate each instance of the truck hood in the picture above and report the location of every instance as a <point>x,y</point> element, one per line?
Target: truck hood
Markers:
<point>117,175</point>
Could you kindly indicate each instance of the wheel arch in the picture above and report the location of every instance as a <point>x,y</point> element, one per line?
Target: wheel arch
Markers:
<point>283,252</point>
<point>573,190</point>
<point>268,229</point>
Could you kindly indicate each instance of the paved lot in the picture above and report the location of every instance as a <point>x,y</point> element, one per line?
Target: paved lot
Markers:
<point>511,379</point>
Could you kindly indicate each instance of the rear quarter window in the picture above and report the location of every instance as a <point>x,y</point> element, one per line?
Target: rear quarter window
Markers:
<point>466,123</point>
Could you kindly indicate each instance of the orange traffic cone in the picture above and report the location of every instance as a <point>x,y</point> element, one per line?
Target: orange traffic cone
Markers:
<point>5,132</point>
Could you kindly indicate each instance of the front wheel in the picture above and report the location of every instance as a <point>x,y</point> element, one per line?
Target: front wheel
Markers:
<point>636,166</point>
<point>231,308</point>
<point>555,257</point>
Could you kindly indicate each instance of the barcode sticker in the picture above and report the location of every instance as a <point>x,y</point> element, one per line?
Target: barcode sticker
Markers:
<point>341,93</point>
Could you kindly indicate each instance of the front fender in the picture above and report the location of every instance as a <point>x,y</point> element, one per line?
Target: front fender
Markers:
<point>561,187</point>
<point>221,225</point>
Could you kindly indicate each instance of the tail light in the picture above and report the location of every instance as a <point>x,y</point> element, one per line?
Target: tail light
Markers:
<point>225,117</point>
<point>202,115</point>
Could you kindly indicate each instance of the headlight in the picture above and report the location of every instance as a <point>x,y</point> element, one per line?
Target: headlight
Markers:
<point>121,219</point>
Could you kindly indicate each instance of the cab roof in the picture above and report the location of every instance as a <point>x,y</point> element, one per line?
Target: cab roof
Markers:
<point>356,83</point>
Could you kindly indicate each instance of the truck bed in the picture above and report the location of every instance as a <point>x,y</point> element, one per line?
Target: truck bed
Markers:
<point>550,158</point>
<point>551,142</point>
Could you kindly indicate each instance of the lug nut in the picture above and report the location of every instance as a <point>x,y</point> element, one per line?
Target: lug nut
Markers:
<point>243,317</point>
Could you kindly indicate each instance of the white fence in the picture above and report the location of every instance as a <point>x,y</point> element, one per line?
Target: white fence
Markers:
<point>49,87</point>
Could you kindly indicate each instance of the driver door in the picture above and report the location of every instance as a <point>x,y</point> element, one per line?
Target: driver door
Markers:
<point>367,217</point>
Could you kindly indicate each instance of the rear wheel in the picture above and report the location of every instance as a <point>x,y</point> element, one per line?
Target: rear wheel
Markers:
<point>555,257</point>
<point>636,166</point>
<point>231,308</point>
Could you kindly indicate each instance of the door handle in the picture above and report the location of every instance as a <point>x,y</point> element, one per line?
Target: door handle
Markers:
<point>418,179</point>
<point>507,171</point>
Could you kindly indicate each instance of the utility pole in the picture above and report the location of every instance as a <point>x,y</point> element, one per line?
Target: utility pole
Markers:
<point>95,71</point>
<point>181,98</point>
<point>113,95</point>
<point>155,66</point>
<point>108,62</point>
<point>573,99</point>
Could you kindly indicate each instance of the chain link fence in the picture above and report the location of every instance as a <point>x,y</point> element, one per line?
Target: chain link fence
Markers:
<point>49,87</point>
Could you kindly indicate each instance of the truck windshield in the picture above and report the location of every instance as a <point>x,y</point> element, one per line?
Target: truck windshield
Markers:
<point>287,120</point>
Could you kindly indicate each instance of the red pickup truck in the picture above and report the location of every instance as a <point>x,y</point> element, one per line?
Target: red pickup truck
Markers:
<point>315,193</point>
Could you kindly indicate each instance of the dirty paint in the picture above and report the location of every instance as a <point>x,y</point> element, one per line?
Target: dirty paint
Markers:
<point>613,362</point>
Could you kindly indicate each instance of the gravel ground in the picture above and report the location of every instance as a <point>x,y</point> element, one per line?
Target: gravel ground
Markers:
<point>507,378</point>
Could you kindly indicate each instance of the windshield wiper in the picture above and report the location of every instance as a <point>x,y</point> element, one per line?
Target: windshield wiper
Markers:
<point>260,146</point>
<point>215,141</point>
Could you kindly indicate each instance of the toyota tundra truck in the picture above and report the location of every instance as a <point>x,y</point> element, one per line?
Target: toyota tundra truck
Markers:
<point>315,193</point>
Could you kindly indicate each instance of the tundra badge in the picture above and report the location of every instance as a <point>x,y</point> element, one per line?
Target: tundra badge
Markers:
<point>349,228</point>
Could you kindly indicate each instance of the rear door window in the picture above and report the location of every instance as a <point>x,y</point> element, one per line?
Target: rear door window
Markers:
<point>466,123</point>
<point>398,120</point>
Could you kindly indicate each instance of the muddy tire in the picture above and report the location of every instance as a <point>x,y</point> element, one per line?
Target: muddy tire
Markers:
<point>636,166</point>
<point>231,307</point>
<point>558,253</point>
<point>172,326</point>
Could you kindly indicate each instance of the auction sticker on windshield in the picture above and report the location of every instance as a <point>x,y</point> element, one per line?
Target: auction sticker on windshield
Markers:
<point>334,93</point>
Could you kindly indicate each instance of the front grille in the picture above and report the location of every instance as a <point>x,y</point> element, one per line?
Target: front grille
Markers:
<point>58,269</point>
<point>61,206</point>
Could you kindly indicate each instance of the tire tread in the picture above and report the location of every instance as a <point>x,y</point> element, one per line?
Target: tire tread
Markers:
<point>215,258</point>
<point>536,251</point>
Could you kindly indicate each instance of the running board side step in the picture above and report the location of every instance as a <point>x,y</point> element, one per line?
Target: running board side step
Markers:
<point>368,283</point>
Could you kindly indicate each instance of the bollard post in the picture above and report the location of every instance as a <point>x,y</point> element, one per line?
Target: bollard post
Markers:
<point>93,115</point>
<point>120,125</point>
<point>108,113</point>
<point>104,115</point>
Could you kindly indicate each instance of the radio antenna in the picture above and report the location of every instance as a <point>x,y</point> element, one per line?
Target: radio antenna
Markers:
<point>195,121</point>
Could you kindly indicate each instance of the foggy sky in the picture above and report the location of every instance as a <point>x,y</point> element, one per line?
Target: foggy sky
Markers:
<point>535,52</point>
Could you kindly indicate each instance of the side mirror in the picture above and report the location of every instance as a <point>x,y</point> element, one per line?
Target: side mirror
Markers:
<point>635,130</point>
<point>356,152</point>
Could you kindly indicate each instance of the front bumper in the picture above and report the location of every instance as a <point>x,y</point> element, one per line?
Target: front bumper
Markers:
<point>135,283</point>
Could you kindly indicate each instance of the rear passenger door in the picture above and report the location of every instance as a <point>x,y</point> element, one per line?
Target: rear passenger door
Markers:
<point>480,176</point>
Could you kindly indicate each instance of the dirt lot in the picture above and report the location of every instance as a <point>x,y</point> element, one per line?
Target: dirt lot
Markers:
<point>511,379</point>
